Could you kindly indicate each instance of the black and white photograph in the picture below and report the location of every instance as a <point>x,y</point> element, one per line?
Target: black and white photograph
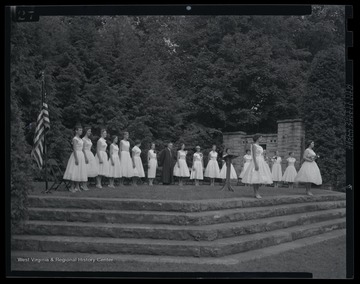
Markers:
<point>182,143</point>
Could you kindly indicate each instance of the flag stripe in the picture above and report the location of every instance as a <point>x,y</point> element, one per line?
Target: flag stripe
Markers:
<point>37,156</point>
<point>42,125</point>
<point>38,135</point>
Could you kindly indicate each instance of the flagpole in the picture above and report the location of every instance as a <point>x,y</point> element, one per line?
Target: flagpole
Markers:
<point>45,152</point>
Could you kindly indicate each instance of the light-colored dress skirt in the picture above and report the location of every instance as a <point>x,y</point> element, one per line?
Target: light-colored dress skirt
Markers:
<point>152,168</point>
<point>115,170</point>
<point>127,169</point>
<point>289,174</point>
<point>276,173</point>
<point>92,166</point>
<point>183,171</point>
<point>309,172</point>
<point>104,166</point>
<point>139,169</point>
<point>262,176</point>
<point>75,172</point>
<point>212,169</point>
<point>197,173</point>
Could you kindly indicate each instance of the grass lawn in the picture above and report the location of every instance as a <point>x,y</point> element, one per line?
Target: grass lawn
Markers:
<point>325,260</point>
<point>175,192</point>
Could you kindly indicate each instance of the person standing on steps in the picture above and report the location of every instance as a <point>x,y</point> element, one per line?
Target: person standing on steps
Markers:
<point>166,161</point>
<point>247,159</point>
<point>181,169</point>
<point>92,168</point>
<point>101,158</point>
<point>198,166</point>
<point>212,170</point>
<point>309,172</point>
<point>276,172</point>
<point>290,172</point>
<point>127,166</point>
<point>76,167</point>
<point>114,162</point>
<point>258,172</point>
<point>137,163</point>
<point>152,164</point>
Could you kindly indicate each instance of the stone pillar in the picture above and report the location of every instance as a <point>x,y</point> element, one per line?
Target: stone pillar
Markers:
<point>290,138</point>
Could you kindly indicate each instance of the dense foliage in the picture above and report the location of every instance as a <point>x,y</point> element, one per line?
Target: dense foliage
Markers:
<point>324,103</point>
<point>184,78</point>
<point>20,181</point>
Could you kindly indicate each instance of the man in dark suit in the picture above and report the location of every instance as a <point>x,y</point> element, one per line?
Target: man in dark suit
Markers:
<point>167,162</point>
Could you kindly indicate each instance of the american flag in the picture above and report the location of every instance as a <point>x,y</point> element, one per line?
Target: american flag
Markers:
<point>42,125</point>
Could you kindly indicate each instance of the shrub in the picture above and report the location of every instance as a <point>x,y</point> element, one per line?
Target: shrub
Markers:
<point>20,181</point>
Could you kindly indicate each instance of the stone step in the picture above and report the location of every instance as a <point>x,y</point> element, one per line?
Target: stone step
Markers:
<point>141,262</point>
<point>216,248</point>
<point>176,218</point>
<point>41,201</point>
<point>171,232</point>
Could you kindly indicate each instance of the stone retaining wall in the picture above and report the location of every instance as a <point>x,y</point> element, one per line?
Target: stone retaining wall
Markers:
<point>290,137</point>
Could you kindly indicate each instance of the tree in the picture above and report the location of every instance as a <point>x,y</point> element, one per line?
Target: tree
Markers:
<point>21,167</point>
<point>324,113</point>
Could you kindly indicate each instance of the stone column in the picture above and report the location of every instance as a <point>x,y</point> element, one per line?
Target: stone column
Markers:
<point>290,138</point>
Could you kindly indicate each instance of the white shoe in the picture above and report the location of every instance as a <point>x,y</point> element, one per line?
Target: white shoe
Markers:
<point>73,190</point>
<point>258,196</point>
<point>98,186</point>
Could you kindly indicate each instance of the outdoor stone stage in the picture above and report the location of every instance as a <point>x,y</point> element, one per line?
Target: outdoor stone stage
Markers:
<point>213,225</point>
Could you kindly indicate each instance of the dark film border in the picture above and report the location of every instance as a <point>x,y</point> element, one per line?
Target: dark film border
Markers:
<point>349,117</point>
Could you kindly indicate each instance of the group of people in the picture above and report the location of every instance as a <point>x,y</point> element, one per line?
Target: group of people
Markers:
<point>277,176</point>
<point>257,170</point>
<point>119,164</point>
<point>83,164</point>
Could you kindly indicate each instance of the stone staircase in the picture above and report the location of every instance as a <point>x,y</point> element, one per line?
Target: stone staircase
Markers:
<point>197,228</point>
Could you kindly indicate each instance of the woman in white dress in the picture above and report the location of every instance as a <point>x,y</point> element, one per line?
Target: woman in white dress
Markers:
<point>198,166</point>
<point>290,172</point>
<point>258,172</point>
<point>76,166</point>
<point>114,161</point>
<point>152,164</point>
<point>137,163</point>
<point>233,174</point>
<point>246,160</point>
<point>181,169</point>
<point>91,165</point>
<point>212,170</point>
<point>276,171</point>
<point>127,166</point>
<point>101,158</point>
<point>309,171</point>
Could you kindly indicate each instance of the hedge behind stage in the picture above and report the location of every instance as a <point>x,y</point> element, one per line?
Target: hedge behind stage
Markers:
<point>21,167</point>
<point>324,114</point>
